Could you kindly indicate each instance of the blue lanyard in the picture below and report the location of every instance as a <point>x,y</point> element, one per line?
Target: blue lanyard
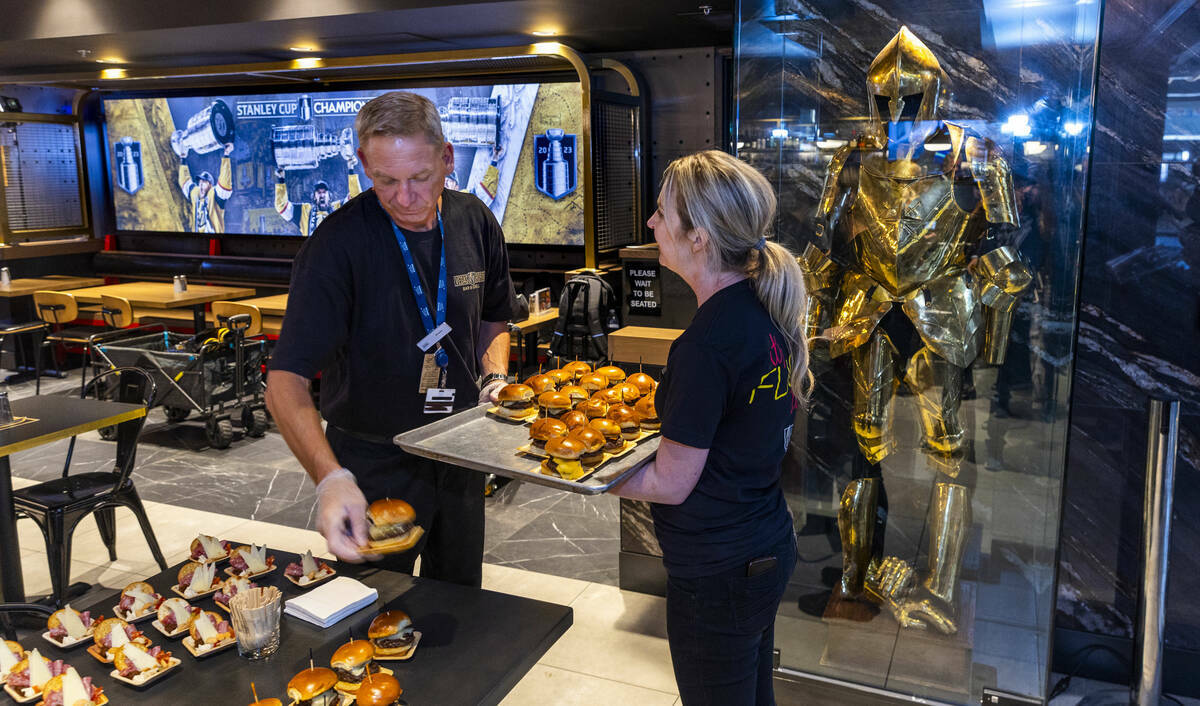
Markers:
<point>440,357</point>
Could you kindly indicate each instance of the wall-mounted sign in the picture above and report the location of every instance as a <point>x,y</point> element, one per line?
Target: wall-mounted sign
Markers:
<point>645,288</point>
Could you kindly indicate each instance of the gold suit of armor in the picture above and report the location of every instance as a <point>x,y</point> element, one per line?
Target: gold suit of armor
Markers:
<point>903,212</point>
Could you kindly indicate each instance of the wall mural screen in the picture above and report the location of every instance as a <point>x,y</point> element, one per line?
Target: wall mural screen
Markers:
<point>277,164</point>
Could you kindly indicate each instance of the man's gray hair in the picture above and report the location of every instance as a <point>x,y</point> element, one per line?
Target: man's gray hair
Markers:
<point>399,114</point>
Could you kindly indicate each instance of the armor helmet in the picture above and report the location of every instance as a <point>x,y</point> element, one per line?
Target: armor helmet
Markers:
<point>905,83</point>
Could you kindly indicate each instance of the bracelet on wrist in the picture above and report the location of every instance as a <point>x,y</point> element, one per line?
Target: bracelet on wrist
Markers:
<point>491,377</point>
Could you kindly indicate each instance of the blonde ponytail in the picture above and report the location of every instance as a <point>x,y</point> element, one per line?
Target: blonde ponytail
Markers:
<point>735,205</point>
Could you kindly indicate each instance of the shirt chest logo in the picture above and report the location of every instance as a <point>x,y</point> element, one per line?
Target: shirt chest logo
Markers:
<point>469,280</point>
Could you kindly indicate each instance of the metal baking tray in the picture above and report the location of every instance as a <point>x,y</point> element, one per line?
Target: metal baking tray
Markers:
<point>473,439</point>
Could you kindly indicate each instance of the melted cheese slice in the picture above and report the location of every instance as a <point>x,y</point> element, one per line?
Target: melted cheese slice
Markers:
<point>205,628</point>
<point>139,658</point>
<point>307,564</point>
<point>256,558</point>
<point>8,659</point>
<point>118,637</point>
<point>70,620</point>
<point>212,546</point>
<point>202,579</point>
<point>39,672</point>
<point>73,691</point>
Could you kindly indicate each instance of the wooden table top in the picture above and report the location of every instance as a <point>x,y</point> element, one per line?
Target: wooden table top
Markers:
<point>536,320</point>
<point>25,286</point>
<point>274,305</point>
<point>162,295</point>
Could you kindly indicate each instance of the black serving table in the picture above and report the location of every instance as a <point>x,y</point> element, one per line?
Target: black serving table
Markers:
<point>475,645</point>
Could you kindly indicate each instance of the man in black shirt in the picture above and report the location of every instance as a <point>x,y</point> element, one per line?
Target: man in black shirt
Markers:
<point>393,267</point>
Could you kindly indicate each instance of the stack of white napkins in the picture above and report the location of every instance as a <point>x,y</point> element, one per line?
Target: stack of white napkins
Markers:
<point>325,605</point>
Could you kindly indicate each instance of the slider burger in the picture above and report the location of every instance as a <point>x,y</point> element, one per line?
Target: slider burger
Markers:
<point>645,384</point>
<point>379,689</point>
<point>206,549</point>
<point>593,382</point>
<point>69,625</point>
<point>613,443</point>
<point>390,527</point>
<point>314,687</point>
<point>593,408</point>
<point>628,391</point>
<point>138,664</point>
<point>544,430</point>
<point>176,613</point>
<point>564,460</point>
<point>392,634</point>
<point>578,369</point>
<point>645,409</point>
<point>560,376</point>
<point>552,404</point>
<point>613,373</point>
<point>115,633</point>
<point>350,663</point>
<point>627,419</point>
<point>593,445</point>
<point>69,689</point>
<point>541,383</point>
<point>515,401</point>
<point>137,599</point>
<point>574,418</point>
<point>575,392</point>
<point>611,396</point>
<point>267,702</point>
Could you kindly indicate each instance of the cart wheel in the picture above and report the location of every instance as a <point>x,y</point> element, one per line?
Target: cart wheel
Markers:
<point>255,422</point>
<point>108,433</point>
<point>219,433</point>
<point>176,414</point>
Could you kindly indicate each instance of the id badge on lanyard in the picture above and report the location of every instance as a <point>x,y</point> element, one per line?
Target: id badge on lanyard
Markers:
<point>432,382</point>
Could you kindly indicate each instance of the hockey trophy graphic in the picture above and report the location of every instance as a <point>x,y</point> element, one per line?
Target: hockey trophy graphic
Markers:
<point>554,163</point>
<point>471,121</point>
<point>207,131</point>
<point>127,153</point>
<point>302,147</point>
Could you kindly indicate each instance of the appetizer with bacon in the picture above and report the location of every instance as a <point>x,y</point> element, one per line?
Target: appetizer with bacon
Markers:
<point>70,689</point>
<point>29,676</point>
<point>250,561</point>
<point>174,615</point>
<point>10,654</point>
<point>208,630</point>
<point>206,549</point>
<point>137,600</point>
<point>309,570</point>
<point>112,634</point>
<point>68,626</point>
<point>230,588</point>
<point>195,580</point>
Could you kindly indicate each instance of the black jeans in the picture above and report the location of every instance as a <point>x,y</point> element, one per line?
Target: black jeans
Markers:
<point>448,501</point>
<point>721,630</point>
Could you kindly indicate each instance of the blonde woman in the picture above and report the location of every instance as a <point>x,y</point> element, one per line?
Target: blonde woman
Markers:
<point>727,400</point>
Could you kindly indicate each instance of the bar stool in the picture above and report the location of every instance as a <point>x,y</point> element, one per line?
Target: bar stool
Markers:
<point>58,309</point>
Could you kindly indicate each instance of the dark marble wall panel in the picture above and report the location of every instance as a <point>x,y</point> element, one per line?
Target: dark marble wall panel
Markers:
<point>1139,320</point>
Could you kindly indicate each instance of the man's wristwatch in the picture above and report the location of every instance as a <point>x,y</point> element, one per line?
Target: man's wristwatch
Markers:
<point>487,379</point>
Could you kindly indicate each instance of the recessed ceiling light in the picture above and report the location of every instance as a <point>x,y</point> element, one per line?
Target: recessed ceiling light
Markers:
<point>544,32</point>
<point>302,48</point>
<point>112,73</point>
<point>110,60</point>
<point>308,62</point>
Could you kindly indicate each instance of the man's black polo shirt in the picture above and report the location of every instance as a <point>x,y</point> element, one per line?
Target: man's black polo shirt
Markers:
<point>352,316</point>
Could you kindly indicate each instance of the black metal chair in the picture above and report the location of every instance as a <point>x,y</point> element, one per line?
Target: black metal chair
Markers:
<point>6,624</point>
<point>57,506</point>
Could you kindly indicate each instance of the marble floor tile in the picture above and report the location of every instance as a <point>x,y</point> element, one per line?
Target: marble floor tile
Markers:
<point>618,635</point>
<point>529,584</point>
<point>550,685</point>
<point>587,559</point>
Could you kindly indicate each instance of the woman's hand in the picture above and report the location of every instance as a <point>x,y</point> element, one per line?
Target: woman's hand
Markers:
<point>669,479</point>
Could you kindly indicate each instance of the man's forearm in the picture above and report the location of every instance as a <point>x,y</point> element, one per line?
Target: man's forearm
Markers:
<point>493,347</point>
<point>299,422</point>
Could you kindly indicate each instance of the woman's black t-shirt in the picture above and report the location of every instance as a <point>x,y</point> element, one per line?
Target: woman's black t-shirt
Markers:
<point>726,388</point>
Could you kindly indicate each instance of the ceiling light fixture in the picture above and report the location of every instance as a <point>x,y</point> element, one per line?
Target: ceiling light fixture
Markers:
<point>544,32</point>
<point>308,62</point>
<point>302,48</point>
<point>110,60</point>
<point>112,73</point>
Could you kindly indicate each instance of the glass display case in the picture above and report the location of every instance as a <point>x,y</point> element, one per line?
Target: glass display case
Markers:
<point>931,164</point>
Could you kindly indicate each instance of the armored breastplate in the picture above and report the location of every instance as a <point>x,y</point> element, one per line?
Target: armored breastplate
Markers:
<point>907,231</point>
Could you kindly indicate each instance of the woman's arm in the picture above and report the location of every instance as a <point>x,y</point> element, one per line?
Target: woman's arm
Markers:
<point>669,478</point>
